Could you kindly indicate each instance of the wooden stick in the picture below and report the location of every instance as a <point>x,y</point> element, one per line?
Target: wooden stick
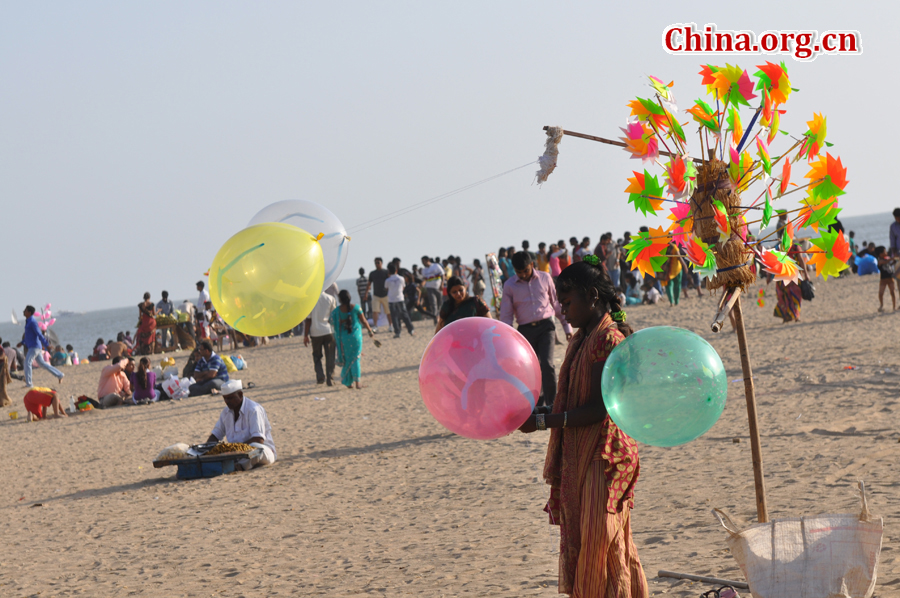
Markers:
<point>713,580</point>
<point>762,513</point>
<point>616,143</point>
<point>728,299</point>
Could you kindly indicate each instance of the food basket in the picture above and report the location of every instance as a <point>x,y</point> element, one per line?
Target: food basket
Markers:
<point>200,465</point>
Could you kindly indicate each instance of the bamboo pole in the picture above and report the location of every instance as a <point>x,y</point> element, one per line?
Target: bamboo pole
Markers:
<point>616,143</point>
<point>713,580</point>
<point>728,299</point>
<point>762,513</point>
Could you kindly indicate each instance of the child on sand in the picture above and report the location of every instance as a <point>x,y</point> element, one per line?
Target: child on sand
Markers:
<point>886,267</point>
<point>38,399</point>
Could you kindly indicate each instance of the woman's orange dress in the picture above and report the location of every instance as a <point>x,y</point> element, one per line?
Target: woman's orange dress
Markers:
<point>592,472</point>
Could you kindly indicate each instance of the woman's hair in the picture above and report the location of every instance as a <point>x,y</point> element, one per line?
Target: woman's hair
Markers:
<point>879,250</point>
<point>146,296</point>
<point>476,262</point>
<point>120,337</point>
<point>344,298</point>
<point>142,373</point>
<point>454,281</point>
<point>69,348</point>
<point>582,277</point>
<point>99,342</point>
<point>501,253</point>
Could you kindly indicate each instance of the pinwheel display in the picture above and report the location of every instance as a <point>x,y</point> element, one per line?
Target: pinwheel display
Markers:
<point>713,194</point>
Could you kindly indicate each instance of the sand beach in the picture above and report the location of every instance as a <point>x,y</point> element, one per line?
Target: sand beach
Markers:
<point>372,497</point>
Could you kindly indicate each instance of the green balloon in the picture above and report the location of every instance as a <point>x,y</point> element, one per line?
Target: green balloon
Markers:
<point>664,386</point>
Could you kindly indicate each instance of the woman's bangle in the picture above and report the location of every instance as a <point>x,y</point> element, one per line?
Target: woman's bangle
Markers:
<point>540,421</point>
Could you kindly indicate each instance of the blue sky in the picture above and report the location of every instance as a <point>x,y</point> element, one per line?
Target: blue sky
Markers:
<point>135,138</point>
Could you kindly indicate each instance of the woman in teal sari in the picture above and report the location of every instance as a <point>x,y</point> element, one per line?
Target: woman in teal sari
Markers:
<point>348,320</point>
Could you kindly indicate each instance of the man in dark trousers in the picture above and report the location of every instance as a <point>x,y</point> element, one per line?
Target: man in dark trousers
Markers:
<point>530,297</point>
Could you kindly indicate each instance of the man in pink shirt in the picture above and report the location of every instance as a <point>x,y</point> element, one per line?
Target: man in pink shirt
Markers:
<point>115,388</point>
<point>530,297</point>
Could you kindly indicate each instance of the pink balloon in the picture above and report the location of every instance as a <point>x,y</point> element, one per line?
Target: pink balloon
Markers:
<point>47,306</point>
<point>51,322</point>
<point>479,378</point>
<point>43,327</point>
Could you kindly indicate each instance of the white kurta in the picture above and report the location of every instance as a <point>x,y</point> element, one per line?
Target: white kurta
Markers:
<point>252,422</point>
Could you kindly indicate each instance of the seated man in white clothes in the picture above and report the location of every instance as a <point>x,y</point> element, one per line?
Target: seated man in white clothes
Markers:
<point>245,421</point>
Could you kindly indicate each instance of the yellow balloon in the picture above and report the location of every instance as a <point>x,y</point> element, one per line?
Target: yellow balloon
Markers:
<point>267,278</point>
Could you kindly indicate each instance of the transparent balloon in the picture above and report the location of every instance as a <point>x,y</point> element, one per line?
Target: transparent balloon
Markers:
<point>267,278</point>
<point>316,219</point>
<point>479,378</point>
<point>664,386</point>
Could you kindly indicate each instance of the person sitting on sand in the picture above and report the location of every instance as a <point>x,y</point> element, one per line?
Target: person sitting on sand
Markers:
<point>143,382</point>
<point>100,351</point>
<point>38,399</point>
<point>210,371</point>
<point>115,388</point>
<point>72,355</point>
<point>243,420</point>
<point>59,357</point>
<point>117,349</point>
<point>460,305</point>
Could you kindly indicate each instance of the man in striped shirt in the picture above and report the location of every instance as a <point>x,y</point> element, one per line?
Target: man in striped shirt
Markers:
<point>210,372</point>
<point>362,288</point>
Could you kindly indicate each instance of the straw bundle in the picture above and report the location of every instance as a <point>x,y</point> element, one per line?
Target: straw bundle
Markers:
<point>713,183</point>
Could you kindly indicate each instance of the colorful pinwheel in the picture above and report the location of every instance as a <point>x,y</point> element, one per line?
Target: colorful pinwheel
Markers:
<point>647,251</point>
<point>720,215</point>
<point>701,256</point>
<point>773,80</point>
<point>681,177</point>
<point>814,138</point>
<point>640,141</point>
<point>762,149</point>
<point>682,222</point>
<point>834,252</point>
<point>778,264</point>
<point>787,236</point>
<point>828,178</point>
<point>785,177</point>
<point>704,115</point>
<point>734,125</point>
<point>645,192</point>
<point>739,169</point>
<point>731,84</point>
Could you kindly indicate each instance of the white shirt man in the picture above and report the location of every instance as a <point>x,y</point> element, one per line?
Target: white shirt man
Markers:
<point>434,280</point>
<point>318,326</point>
<point>243,420</point>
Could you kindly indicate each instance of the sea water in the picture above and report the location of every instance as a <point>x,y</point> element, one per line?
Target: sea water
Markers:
<point>82,330</point>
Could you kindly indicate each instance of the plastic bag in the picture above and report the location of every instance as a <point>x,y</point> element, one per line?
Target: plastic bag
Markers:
<point>170,372</point>
<point>177,389</point>
<point>229,365</point>
<point>827,556</point>
<point>176,451</point>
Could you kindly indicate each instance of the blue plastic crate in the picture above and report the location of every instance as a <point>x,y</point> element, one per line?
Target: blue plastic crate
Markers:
<point>204,469</point>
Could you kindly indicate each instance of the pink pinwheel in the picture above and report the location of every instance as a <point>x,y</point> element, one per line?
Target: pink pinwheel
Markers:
<point>682,222</point>
<point>640,141</point>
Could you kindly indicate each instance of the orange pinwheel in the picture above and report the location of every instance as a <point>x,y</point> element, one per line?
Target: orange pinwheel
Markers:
<point>647,251</point>
<point>828,177</point>
<point>778,264</point>
<point>640,141</point>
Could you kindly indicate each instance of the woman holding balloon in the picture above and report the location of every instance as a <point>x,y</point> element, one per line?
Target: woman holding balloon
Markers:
<point>591,465</point>
<point>348,320</point>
